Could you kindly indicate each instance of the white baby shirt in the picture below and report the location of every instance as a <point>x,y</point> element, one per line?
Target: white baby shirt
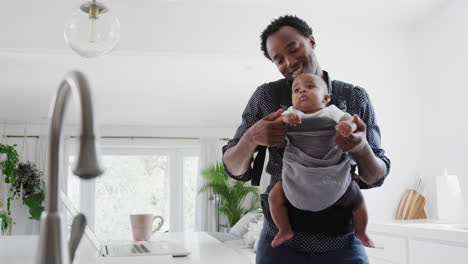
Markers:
<point>331,112</point>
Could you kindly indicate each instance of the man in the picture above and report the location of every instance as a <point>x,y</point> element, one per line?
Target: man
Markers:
<point>327,236</point>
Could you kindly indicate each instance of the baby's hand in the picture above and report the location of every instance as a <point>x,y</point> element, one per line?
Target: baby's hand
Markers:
<point>292,119</point>
<point>344,128</point>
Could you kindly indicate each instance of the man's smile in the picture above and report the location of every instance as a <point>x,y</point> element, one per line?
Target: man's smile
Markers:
<point>296,71</point>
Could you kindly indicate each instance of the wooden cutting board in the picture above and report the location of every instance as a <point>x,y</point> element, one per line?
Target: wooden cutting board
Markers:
<point>404,198</point>
<point>411,206</point>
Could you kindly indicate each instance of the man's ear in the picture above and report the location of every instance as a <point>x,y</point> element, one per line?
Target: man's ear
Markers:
<point>312,41</point>
<point>326,99</point>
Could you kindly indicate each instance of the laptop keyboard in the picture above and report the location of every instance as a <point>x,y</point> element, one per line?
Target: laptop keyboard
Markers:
<point>139,248</point>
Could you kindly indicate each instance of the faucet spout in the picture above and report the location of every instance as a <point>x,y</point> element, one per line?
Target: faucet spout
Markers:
<point>52,246</point>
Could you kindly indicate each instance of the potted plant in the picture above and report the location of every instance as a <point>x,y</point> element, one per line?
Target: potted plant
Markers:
<point>25,181</point>
<point>30,186</point>
<point>231,193</point>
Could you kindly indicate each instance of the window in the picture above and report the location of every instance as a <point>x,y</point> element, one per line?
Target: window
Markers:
<point>190,191</point>
<point>161,181</point>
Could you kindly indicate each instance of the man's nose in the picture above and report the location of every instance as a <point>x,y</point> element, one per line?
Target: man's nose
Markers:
<point>290,61</point>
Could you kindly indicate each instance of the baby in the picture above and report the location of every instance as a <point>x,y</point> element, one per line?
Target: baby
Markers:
<point>304,186</point>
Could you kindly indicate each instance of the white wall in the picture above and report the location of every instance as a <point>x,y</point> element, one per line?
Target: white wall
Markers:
<point>440,45</point>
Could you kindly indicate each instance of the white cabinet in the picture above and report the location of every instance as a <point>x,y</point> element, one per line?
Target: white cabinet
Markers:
<point>394,249</point>
<point>422,243</point>
<point>437,252</point>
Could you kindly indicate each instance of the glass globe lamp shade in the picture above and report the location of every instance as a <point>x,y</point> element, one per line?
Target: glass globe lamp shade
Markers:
<point>92,37</point>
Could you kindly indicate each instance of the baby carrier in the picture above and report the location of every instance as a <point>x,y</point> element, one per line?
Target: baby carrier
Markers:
<point>329,220</point>
<point>314,178</point>
<point>341,98</point>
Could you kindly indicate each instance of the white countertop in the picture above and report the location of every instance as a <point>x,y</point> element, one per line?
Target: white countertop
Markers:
<point>426,229</point>
<point>205,249</point>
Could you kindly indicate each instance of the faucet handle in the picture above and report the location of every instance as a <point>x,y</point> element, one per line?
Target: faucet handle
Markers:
<point>77,229</point>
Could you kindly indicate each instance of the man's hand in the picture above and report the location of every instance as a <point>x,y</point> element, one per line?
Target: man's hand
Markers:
<point>269,131</point>
<point>355,142</point>
<point>370,168</point>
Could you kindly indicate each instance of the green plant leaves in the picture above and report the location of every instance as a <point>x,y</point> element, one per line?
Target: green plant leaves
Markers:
<point>30,185</point>
<point>34,202</point>
<point>7,222</point>
<point>8,167</point>
<point>34,199</point>
<point>36,212</point>
<point>232,193</point>
<point>25,180</point>
<point>9,164</point>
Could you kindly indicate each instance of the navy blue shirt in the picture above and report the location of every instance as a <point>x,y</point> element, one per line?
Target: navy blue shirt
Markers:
<point>264,102</point>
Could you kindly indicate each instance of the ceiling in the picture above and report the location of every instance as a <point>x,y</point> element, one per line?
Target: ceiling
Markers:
<point>197,25</point>
<point>179,63</point>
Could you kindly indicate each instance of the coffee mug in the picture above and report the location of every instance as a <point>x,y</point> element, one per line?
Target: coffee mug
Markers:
<point>142,225</point>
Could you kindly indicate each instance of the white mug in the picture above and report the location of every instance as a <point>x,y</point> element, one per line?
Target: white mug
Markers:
<point>142,225</point>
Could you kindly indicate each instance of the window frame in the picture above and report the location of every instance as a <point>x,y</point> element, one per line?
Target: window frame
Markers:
<point>176,151</point>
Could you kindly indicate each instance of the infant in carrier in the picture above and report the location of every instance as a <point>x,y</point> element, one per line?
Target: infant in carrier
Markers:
<point>316,172</point>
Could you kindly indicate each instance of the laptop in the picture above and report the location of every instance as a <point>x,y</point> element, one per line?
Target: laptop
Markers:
<point>148,248</point>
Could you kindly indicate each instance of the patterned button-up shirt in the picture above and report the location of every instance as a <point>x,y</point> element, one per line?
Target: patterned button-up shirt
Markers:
<point>262,104</point>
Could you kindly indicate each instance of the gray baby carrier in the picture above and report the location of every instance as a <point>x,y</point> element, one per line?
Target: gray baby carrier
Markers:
<point>316,172</point>
<point>332,219</point>
<point>341,98</point>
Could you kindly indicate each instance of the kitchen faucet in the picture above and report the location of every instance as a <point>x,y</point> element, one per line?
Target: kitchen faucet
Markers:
<point>52,246</point>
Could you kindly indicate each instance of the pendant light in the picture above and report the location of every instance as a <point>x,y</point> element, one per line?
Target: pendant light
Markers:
<point>92,30</point>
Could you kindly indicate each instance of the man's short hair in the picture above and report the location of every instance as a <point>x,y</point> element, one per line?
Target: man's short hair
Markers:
<point>276,24</point>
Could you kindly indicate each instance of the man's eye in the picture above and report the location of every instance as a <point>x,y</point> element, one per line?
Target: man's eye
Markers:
<point>294,51</point>
<point>279,61</point>
<point>296,90</point>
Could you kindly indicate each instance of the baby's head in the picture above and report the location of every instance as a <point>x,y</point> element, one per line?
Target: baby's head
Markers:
<point>309,93</point>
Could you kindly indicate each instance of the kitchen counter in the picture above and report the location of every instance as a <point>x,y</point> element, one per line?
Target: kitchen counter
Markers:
<point>414,242</point>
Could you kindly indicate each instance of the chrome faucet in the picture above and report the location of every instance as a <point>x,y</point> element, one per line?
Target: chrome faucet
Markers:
<point>52,246</point>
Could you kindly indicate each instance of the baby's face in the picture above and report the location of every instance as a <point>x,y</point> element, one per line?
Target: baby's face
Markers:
<point>309,93</point>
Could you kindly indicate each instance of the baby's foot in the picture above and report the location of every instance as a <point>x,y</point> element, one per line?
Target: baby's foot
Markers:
<point>281,237</point>
<point>366,241</point>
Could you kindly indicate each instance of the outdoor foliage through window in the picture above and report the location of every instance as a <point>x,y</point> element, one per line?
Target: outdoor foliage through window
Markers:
<point>134,184</point>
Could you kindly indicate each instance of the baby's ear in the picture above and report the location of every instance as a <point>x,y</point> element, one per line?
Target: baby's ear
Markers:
<point>326,98</point>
